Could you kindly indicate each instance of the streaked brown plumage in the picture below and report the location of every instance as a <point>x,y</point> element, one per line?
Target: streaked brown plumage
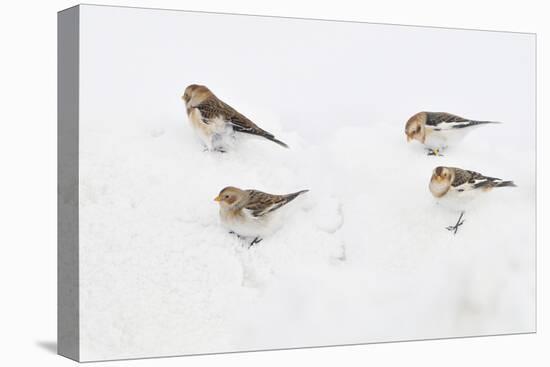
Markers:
<point>437,130</point>
<point>248,212</point>
<point>456,187</point>
<point>452,179</point>
<point>215,121</point>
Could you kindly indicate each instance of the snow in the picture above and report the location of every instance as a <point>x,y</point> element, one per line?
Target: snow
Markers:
<point>363,257</point>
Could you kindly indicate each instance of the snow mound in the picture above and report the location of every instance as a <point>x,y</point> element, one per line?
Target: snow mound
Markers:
<point>362,257</point>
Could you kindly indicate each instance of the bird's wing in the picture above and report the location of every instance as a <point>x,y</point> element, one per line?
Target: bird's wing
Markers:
<point>214,108</point>
<point>242,124</point>
<point>470,180</point>
<point>441,121</point>
<point>260,203</point>
<point>446,121</point>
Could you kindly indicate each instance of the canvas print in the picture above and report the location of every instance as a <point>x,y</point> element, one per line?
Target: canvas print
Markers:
<point>237,183</point>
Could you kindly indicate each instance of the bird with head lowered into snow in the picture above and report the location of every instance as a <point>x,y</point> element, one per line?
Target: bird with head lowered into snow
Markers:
<point>215,122</point>
<point>438,130</point>
<point>251,213</point>
<point>457,186</point>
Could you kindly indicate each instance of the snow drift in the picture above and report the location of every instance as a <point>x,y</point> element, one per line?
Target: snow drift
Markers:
<point>362,257</point>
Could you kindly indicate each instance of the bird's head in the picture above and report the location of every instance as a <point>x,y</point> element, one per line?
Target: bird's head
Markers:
<point>230,197</point>
<point>415,128</point>
<point>441,180</point>
<point>195,94</point>
<point>442,174</point>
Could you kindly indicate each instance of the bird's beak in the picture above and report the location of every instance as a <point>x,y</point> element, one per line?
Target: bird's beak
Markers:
<point>218,198</point>
<point>438,178</point>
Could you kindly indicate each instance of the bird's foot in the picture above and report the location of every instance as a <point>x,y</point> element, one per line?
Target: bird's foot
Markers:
<point>435,152</point>
<point>217,150</point>
<point>255,241</point>
<point>454,228</point>
<point>238,235</point>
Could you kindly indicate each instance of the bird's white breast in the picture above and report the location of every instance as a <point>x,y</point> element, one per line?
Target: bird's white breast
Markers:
<point>443,138</point>
<point>214,134</point>
<point>458,200</point>
<point>244,224</point>
<point>439,189</point>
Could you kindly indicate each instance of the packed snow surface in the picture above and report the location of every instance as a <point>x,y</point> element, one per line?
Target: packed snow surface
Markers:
<point>363,257</point>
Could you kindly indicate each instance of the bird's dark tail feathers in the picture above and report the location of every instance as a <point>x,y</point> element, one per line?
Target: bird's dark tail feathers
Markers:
<point>475,122</point>
<point>263,134</point>
<point>293,196</point>
<point>273,139</point>
<point>506,184</point>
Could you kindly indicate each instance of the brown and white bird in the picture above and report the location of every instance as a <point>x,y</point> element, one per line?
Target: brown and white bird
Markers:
<point>437,130</point>
<point>215,122</point>
<point>251,213</point>
<point>456,186</point>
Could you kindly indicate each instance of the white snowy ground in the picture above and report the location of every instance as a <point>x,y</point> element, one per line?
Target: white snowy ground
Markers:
<point>363,257</point>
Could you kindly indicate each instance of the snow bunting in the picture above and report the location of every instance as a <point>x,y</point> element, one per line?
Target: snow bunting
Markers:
<point>215,122</point>
<point>457,185</point>
<point>436,130</point>
<point>250,213</point>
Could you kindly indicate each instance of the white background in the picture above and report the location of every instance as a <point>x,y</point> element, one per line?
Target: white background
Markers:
<point>28,184</point>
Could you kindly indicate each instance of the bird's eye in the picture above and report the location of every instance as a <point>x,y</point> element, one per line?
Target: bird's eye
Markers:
<point>226,197</point>
<point>418,129</point>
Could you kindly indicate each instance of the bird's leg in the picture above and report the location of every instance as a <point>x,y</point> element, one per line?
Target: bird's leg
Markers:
<point>236,234</point>
<point>454,228</point>
<point>217,143</point>
<point>255,241</point>
<point>435,152</point>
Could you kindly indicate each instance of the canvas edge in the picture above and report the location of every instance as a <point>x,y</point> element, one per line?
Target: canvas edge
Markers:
<point>308,19</point>
<point>68,326</point>
<point>68,343</point>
